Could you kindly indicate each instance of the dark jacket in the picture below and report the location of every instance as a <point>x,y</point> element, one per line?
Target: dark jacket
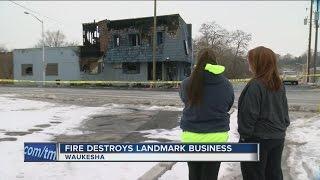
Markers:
<point>262,113</point>
<point>212,114</point>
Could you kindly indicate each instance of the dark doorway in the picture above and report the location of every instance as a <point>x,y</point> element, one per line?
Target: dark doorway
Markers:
<point>158,71</point>
<point>171,71</point>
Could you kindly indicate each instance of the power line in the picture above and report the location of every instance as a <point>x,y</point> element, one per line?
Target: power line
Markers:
<point>33,11</point>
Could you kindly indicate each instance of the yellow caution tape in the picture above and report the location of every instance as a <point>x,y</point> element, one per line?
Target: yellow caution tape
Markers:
<point>316,75</point>
<point>114,82</point>
<point>103,82</point>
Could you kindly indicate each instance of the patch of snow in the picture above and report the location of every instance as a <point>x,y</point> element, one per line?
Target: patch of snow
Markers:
<point>165,108</point>
<point>144,107</point>
<point>228,170</point>
<point>21,115</point>
<point>171,134</point>
<point>303,139</point>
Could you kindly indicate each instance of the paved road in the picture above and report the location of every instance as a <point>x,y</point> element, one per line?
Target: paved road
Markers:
<point>126,126</point>
<point>295,94</point>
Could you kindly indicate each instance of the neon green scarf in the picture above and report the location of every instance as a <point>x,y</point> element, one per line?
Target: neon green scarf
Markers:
<point>214,69</point>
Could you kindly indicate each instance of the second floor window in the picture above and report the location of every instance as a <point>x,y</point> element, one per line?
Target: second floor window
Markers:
<point>116,41</point>
<point>134,39</point>
<point>186,47</point>
<point>159,38</point>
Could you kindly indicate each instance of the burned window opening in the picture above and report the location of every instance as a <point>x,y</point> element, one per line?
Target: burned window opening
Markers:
<point>26,69</point>
<point>186,47</point>
<point>90,34</point>
<point>116,41</point>
<point>159,38</point>
<point>94,41</point>
<point>134,40</point>
<point>131,68</point>
<point>92,67</point>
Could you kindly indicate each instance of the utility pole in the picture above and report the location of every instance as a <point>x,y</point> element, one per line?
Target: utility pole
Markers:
<point>309,45</point>
<point>43,61</point>
<point>154,42</point>
<point>316,21</point>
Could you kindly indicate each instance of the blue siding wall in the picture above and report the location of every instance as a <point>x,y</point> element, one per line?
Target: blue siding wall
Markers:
<point>66,57</point>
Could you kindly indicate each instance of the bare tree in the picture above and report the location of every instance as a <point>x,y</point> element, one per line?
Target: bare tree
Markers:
<point>240,41</point>
<point>55,39</point>
<point>205,31</point>
<point>229,47</point>
<point>213,35</point>
<point>72,43</point>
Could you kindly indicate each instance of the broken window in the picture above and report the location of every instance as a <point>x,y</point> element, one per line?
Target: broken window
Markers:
<point>131,68</point>
<point>159,38</point>
<point>52,69</point>
<point>90,34</point>
<point>26,69</point>
<point>187,70</point>
<point>92,66</point>
<point>116,41</point>
<point>134,39</point>
<point>96,68</point>
<point>186,47</point>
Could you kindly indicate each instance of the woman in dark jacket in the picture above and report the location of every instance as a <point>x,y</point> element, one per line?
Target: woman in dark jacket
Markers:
<point>263,115</point>
<point>208,97</point>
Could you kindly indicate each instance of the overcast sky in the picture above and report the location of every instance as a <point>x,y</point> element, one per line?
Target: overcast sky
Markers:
<point>278,25</point>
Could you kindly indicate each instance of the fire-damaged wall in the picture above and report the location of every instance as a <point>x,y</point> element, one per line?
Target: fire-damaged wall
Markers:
<point>131,39</point>
<point>95,43</point>
<point>6,65</point>
<point>103,35</point>
<point>125,49</point>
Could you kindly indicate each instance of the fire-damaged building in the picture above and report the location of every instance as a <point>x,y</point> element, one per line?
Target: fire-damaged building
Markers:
<point>122,49</point>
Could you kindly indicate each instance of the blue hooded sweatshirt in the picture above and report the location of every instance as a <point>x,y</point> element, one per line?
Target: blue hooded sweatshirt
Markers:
<point>212,114</point>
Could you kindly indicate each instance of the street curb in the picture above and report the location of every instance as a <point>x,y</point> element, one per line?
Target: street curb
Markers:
<point>304,108</point>
<point>157,171</point>
<point>299,108</point>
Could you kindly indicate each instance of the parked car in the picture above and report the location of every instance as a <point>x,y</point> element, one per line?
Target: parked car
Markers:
<point>290,77</point>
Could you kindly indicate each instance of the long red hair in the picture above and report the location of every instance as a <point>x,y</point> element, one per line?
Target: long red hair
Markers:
<point>263,63</point>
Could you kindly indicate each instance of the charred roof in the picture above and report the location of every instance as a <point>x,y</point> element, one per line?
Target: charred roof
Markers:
<point>172,21</point>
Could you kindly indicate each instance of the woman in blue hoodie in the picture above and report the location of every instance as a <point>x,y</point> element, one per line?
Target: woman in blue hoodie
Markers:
<point>208,97</point>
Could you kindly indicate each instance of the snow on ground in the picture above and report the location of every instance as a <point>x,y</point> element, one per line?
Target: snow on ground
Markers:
<point>172,134</point>
<point>23,115</point>
<point>144,107</point>
<point>228,170</point>
<point>303,153</point>
<point>303,139</point>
